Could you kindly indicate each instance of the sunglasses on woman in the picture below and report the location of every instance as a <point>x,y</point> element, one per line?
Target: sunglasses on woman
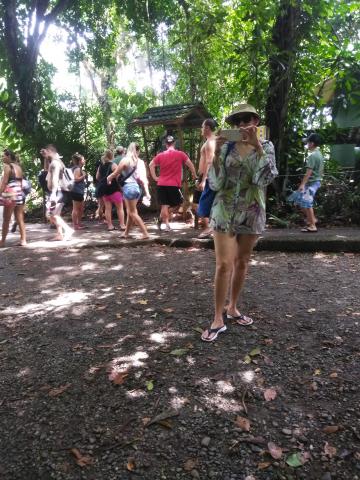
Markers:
<point>246,118</point>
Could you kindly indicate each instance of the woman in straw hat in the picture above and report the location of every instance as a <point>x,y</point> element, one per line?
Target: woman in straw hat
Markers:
<point>240,173</point>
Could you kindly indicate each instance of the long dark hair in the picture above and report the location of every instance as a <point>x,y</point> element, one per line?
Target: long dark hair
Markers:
<point>76,158</point>
<point>11,154</point>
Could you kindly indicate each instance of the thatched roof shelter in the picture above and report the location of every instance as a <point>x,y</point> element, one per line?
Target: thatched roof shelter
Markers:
<point>185,115</point>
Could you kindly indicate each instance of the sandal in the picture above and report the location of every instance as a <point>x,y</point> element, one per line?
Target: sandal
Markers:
<point>209,331</point>
<point>204,235</point>
<point>241,319</point>
<point>309,230</point>
<point>111,229</point>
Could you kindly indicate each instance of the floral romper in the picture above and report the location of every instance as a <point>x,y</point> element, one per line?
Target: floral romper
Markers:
<point>240,203</point>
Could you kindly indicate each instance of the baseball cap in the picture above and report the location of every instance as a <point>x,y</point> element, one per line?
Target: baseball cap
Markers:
<point>314,138</point>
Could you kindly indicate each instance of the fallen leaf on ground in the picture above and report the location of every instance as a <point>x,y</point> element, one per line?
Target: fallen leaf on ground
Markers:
<point>270,394</point>
<point>331,428</point>
<point>118,378</point>
<point>291,347</point>
<point>81,460</point>
<point>54,392</point>
<point>143,302</point>
<point>178,352</point>
<point>242,423</point>
<point>254,352</point>
<point>168,310</point>
<point>167,423</point>
<point>198,329</point>
<point>329,450</point>
<point>317,372</point>
<point>163,416</point>
<point>131,464</point>
<point>333,375</point>
<point>294,460</point>
<point>268,341</point>
<point>118,315</point>
<point>247,359</point>
<point>101,307</point>
<point>275,451</point>
<point>190,464</point>
<point>263,465</point>
<point>150,385</point>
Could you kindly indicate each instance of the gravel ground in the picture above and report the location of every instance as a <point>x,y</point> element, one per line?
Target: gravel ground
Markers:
<point>103,375</point>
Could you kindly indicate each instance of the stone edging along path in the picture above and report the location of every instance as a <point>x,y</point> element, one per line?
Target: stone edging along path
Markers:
<point>283,240</point>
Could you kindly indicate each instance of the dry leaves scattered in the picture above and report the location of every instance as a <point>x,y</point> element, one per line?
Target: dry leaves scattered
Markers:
<point>329,450</point>
<point>131,466</point>
<point>242,423</point>
<point>54,392</point>
<point>118,378</point>
<point>275,451</point>
<point>331,429</point>
<point>81,460</point>
<point>270,394</point>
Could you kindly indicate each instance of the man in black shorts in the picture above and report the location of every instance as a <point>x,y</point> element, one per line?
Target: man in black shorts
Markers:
<point>168,182</point>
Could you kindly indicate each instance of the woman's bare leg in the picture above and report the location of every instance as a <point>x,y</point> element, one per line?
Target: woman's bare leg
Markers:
<point>134,217</point>
<point>120,214</point>
<point>245,245</point>
<point>8,211</point>
<point>19,215</point>
<point>225,248</point>
<point>108,214</point>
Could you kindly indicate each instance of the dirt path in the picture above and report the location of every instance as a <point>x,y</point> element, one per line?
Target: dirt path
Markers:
<point>94,345</point>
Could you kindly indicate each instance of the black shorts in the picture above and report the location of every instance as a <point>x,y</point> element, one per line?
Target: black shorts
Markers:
<point>171,196</point>
<point>77,197</point>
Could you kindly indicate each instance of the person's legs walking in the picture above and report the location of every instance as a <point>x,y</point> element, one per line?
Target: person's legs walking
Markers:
<point>120,213</point>
<point>310,217</point>
<point>245,245</point>
<point>108,214</point>
<point>164,215</point>
<point>7,213</point>
<point>134,218</point>
<point>19,215</point>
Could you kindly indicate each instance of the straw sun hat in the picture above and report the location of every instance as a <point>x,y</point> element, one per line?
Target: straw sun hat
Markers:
<point>241,109</point>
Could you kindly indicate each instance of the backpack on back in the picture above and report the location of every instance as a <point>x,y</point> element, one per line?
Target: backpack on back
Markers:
<point>67,180</point>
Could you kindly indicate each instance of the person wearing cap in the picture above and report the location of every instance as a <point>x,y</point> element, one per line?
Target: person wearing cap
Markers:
<point>240,173</point>
<point>170,163</point>
<point>119,154</point>
<point>304,197</point>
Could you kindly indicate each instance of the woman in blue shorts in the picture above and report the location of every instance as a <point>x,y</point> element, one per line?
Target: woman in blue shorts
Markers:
<point>128,171</point>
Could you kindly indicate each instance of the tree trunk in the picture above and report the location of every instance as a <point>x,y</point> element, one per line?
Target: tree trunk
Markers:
<point>22,59</point>
<point>285,40</point>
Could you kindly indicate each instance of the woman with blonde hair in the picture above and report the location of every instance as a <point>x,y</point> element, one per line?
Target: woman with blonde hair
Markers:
<point>12,196</point>
<point>130,176</point>
<point>109,191</point>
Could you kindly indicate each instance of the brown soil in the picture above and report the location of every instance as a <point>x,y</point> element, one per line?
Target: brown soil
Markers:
<point>94,344</point>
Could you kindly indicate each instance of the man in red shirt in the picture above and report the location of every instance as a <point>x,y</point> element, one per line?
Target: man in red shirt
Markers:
<point>168,182</point>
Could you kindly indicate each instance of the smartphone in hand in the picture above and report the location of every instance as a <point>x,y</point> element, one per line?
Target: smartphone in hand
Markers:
<point>236,135</point>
